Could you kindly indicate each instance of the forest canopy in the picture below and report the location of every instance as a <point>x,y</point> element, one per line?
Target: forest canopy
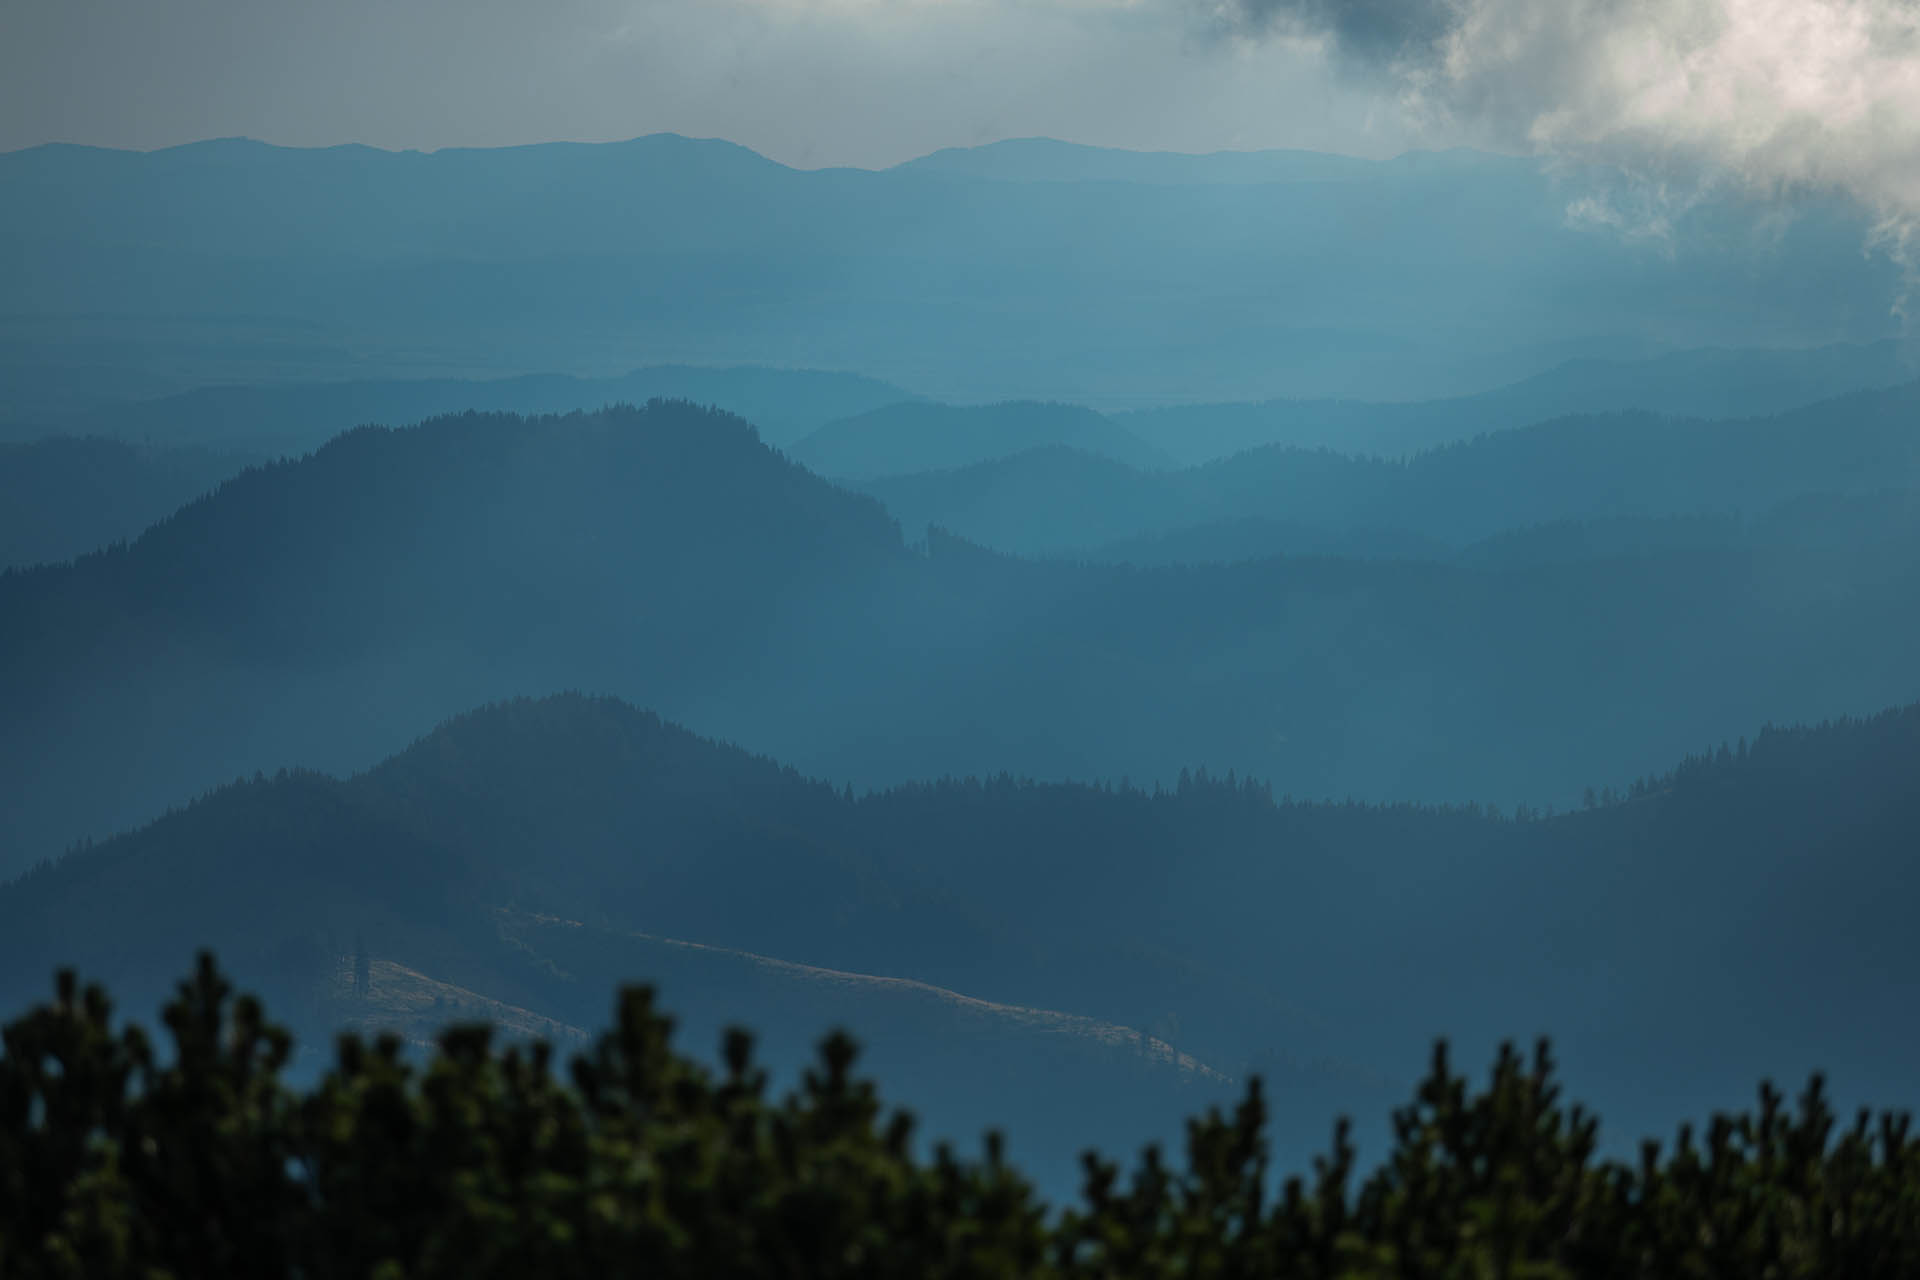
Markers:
<point>497,1160</point>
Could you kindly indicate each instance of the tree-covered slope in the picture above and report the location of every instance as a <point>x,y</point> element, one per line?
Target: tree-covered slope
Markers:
<point>527,858</point>
<point>1742,913</point>
<point>316,612</point>
<point>584,810</point>
<point>395,576</point>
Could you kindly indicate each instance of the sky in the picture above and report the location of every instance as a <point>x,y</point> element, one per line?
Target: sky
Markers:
<point>1685,98</point>
<point>806,82</point>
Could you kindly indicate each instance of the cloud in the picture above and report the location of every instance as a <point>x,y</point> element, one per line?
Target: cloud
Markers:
<point>1369,32</point>
<point>1772,97</point>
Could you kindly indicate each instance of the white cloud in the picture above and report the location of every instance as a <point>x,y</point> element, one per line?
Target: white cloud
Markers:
<point>1773,97</point>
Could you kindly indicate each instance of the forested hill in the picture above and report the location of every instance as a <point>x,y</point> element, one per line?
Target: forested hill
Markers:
<point>521,861</point>
<point>394,576</point>
<point>421,534</point>
<point>1744,912</point>
<point>316,612</point>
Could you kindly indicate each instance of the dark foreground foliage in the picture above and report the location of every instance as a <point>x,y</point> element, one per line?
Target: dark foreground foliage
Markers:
<point>116,1161</point>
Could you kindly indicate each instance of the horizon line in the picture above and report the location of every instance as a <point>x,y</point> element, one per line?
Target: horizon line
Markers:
<point>1011,140</point>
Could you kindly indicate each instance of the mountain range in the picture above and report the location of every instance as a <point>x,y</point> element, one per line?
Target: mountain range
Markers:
<point>106,473</point>
<point>1099,625</point>
<point>1135,280</point>
<point>316,611</point>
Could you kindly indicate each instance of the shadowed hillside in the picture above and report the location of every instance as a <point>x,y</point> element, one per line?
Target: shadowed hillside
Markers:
<point>1674,936</point>
<point>315,612</point>
<point>338,598</point>
<point>505,866</point>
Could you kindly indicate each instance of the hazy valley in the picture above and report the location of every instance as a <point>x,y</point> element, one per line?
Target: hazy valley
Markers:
<point>1101,625</point>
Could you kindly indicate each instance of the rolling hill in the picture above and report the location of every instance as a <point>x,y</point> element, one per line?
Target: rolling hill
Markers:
<point>1591,467</point>
<point>1710,383</point>
<point>392,577</point>
<point>988,935</point>
<point>144,459</point>
<point>503,867</point>
<point>316,611</point>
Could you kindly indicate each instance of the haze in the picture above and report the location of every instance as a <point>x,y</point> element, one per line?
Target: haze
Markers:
<point>1108,548</point>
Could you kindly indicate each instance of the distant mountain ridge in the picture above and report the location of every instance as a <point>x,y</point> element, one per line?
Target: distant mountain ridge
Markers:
<point>153,455</point>
<point>317,611</point>
<point>1710,383</point>
<point>232,262</point>
<point>1594,466</point>
<point>262,421</point>
<point>1049,160</point>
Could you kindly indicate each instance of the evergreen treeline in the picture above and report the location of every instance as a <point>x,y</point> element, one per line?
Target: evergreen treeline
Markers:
<point>120,1161</point>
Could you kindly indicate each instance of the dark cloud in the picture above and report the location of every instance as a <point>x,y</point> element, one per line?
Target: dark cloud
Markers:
<point>1376,32</point>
